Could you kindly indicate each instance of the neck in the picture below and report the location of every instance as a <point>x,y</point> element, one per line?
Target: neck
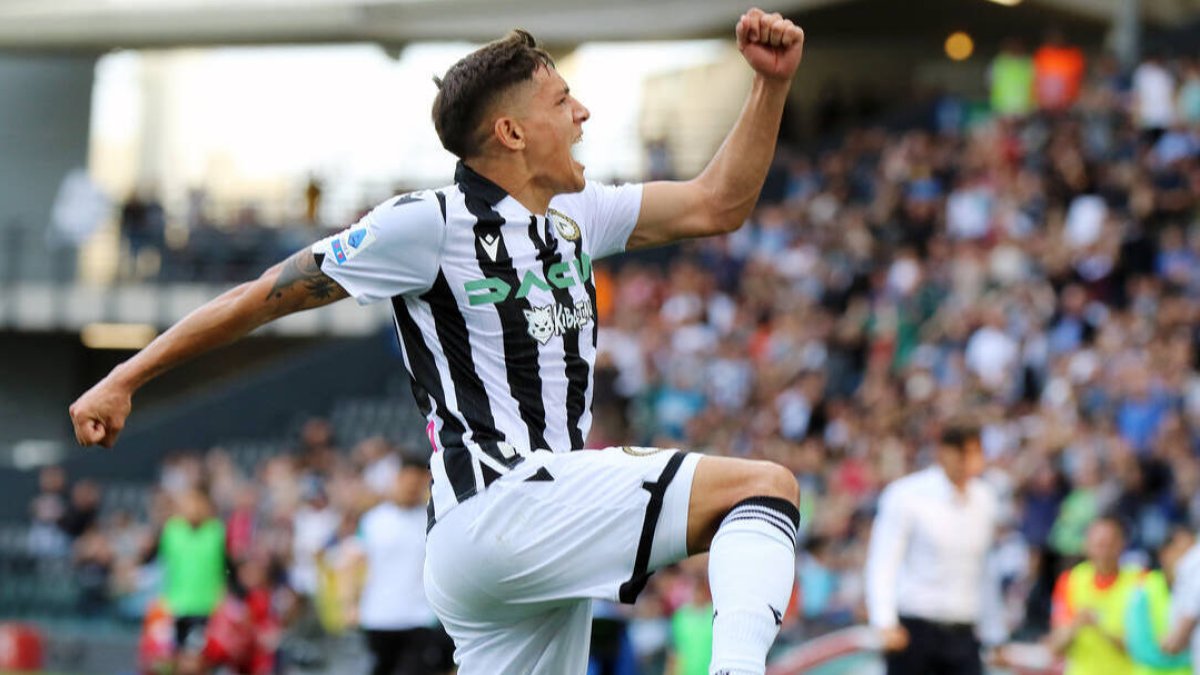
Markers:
<point>514,176</point>
<point>1106,569</point>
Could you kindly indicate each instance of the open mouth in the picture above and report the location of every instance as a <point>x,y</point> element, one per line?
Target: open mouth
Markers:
<point>574,146</point>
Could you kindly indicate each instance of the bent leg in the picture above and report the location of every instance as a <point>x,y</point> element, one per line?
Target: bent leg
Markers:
<point>744,513</point>
<point>722,482</point>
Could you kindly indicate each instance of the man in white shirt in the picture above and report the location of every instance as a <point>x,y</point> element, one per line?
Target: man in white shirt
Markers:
<point>396,619</point>
<point>1153,98</point>
<point>925,568</point>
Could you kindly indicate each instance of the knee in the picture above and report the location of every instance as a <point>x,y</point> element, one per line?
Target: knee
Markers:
<point>773,480</point>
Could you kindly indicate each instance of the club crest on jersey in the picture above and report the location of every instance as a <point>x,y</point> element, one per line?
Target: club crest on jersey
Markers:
<point>549,320</point>
<point>567,228</point>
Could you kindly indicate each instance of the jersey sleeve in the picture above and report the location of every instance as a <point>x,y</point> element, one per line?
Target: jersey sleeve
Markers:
<point>611,213</point>
<point>393,250</point>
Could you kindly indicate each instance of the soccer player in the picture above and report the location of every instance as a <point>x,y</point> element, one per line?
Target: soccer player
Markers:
<point>490,280</point>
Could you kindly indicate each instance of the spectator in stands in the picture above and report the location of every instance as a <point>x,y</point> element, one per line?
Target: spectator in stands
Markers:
<point>191,552</point>
<point>1058,73</point>
<point>397,622</point>
<point>313,526</point>
<point>380,464</point>
<point>46,511</point>
<point>242,523</point>
<point>691,624</point>
<point>143,224</point>
<point>94,562</point>
<point>1188,111</point>
<point>1148,618</point>
<point>1011,75</point>
<point>1091,601</point>
<point>223,478</point>
<point>820,584</point>
<point>312,199</point>
<point>1184,623</point>
<point>243,634</point>
<point>1154,103</point>
<point>84,509</point>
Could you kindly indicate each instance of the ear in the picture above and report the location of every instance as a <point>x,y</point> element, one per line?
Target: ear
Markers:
<point>509,133</point>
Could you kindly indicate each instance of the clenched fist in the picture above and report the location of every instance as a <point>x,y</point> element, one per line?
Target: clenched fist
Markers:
<point>771,44</point>
<point>99,415</point>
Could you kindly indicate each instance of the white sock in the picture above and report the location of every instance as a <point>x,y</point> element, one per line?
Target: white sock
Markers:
<point>751,568</point>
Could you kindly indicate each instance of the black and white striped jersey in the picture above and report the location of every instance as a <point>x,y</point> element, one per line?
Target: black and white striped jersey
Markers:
<point>495,309</point>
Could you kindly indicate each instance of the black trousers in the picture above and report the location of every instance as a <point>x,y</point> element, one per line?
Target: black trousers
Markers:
<point>189,632</point>
<point>936,649</point>
<point>418,651</point>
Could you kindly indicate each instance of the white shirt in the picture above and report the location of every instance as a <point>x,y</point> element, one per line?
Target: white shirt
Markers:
<point>992,355</point>
<point>1185,597</point>
<point>312,530</point>
<point>1154,92</point>
<point>380,475</point>
<point>393,596</point>
<point>928,548</point>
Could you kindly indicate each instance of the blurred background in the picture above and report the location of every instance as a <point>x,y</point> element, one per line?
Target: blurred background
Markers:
<point>977,206</point>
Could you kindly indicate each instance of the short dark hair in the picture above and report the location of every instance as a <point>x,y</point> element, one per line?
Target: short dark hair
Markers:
<point>475,82</point>
<point>1110,518</point>
<point>958,434</point>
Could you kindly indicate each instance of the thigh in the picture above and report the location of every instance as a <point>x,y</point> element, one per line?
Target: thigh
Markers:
<point>586,524</point>
<point>557,531</point>
<point>554,641</point>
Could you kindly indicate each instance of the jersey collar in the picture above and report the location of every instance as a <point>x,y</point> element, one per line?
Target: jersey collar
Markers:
<point>475,185</point>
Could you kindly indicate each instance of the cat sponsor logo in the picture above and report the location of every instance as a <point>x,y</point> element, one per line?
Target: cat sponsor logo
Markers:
<point>550,320</point>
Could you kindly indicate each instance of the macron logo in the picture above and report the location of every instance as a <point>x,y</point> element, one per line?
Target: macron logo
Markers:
<point>490,244</point>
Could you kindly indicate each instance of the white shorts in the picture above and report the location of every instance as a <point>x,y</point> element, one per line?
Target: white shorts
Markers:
<point>511,572</point>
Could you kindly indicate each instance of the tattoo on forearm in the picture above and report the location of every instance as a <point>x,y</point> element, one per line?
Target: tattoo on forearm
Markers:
<point>304,269</point>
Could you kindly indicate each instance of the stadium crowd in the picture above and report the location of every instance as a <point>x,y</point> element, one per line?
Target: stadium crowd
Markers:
<point>1037,268</point>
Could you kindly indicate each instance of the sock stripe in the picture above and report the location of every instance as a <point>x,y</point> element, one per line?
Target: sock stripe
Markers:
<point>791,536</point>
<point>750,508</point>
<point>782,506</point>
<point>771,516</point>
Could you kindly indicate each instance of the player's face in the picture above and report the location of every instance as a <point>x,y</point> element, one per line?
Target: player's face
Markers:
<point>553,123</point>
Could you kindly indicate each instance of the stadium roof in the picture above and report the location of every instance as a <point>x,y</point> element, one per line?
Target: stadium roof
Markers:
<point>105,24</point>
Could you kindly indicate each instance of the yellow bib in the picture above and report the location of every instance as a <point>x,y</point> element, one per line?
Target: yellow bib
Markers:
<point>1092,653</point>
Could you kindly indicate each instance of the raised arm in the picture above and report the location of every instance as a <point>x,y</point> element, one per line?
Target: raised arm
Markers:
<point>721,198</point>
<point>291,286</point>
